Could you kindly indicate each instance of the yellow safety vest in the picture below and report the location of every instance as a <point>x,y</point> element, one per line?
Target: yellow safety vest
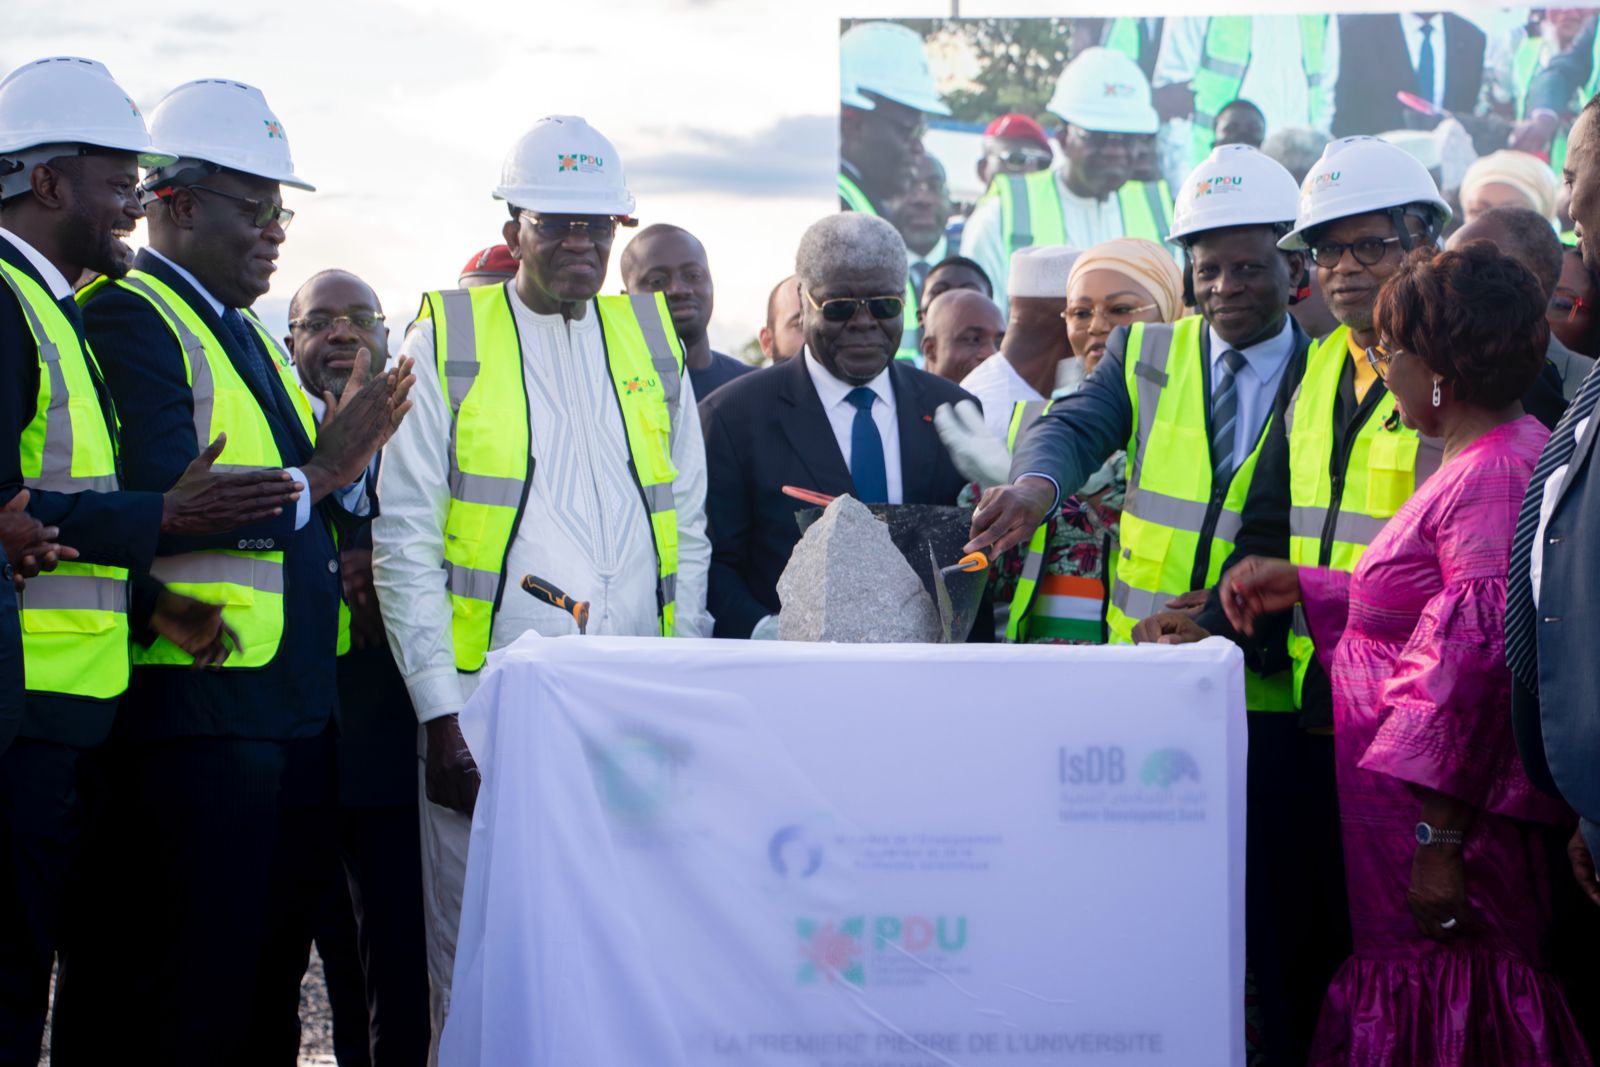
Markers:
<point>1177,528</point>
<point>479,358</point>
<point>1031,213</point>
<point>75,618</point>
<point>856,200</point>
<point>1070,607</point>
<point>1124,37</point>
<point>1225,58</point>
<point>247,582</point>
<point>1336,511</point>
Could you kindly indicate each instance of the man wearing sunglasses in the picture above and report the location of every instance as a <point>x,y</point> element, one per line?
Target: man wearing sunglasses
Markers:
<point>1093,195</point>
<point>223,818</point>
<point>1013,144</point>
<point>555,435</point>
<point>843,417</point>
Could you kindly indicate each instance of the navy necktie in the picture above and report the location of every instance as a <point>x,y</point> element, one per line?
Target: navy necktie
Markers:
<point>254,358</point>
<point>1521,615</point>
<point>867,468</point>
<point>1225,417</point>
<point>1425,63</point>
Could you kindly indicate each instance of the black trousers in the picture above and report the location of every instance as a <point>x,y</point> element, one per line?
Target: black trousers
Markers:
<point>1297,921</point>
<point>192,922</point>
<point>42,809</point>
<point>374,955</point>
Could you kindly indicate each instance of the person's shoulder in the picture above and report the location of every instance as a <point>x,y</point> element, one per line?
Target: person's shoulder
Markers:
<point>733,368</point>
<point>939,390</point>
<point>744,392</point>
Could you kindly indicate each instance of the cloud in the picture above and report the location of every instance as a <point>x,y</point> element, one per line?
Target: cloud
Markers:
<point>792,157</point>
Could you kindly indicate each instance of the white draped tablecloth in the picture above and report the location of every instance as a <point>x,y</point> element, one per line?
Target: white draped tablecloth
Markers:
<point>765,854</point>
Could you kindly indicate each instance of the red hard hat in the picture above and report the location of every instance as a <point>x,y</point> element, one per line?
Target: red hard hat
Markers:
<point>496,259</point>
<point>1018,127</point>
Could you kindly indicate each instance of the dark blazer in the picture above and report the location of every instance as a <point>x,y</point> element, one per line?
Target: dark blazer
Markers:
<point>1558,728</point>
<point>295,694</point>
<point>1557,87</point>
<point>113,529</point>
<point>1374,65</point>
<point>767,430</point>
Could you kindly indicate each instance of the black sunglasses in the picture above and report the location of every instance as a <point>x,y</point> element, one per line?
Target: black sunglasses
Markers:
<point>1368,251</point>
<point>844,308</point>
<point>263,213</point>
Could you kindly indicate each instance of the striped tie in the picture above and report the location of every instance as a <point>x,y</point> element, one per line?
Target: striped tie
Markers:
<point>1522,653</point>
<point>1224,416</point>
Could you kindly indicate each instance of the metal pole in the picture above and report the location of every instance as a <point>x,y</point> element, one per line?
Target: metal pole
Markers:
<point>955,9</point>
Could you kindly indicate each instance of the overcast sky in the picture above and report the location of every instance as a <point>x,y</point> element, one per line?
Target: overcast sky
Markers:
<point>724,113</point>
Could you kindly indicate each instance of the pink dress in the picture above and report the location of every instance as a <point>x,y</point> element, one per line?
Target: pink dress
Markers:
<point>1414,644</point>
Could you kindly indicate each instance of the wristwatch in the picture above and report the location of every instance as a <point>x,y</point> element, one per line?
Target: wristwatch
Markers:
<point>1431,835</point>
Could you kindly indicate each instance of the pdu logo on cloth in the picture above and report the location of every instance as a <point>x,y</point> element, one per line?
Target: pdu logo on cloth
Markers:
<point>836,951</point>
<point>1221,184</point>
<point>582,164</point>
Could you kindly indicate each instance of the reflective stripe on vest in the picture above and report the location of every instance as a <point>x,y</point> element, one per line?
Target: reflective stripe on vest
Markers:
<point>1023,415</point>
<point>1031,212</point>
<point>1170,500</point>
<point>1124,37</point>
<point>853,197</point>
<point>856,200</point>
<point>479,355</point>
<point>74,619</point>
<point>1385,464</point>
<point>249,584</point>
<point>1224,61</point>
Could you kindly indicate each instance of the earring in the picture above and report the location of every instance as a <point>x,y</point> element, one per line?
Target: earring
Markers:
<point>1436,392</point>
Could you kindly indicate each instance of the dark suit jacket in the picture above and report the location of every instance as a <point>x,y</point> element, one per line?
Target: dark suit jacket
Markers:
<point>767,430</point>
<point>1558,729</point>
<point>295,694</point>
<point>1374,65</point>
<point>113,529</point>
<point>1556,87</point>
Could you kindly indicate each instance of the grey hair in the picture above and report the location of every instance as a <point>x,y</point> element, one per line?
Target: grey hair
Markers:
<point>850,242</point>
<point>1296,148</point>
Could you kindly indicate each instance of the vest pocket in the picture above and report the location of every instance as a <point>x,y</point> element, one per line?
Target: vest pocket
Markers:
<point>1391,473</point>
<point>45,621</point>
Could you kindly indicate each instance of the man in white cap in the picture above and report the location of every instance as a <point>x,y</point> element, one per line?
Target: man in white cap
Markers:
<point>222,836</point>
<point>561,426</point>
<point>1090,197</point>
<point>1034,356</point>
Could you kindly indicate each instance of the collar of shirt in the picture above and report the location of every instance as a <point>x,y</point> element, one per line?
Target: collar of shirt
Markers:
<point>205,294</point>
<point>1265,359</point>
<point>832,391</point>
<point>57,282</point>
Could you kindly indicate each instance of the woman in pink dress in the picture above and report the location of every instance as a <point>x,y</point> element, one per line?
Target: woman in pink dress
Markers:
<point>1444,857</point>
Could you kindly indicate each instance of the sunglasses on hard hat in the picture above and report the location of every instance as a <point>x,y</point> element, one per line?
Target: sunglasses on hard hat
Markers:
<point>1024,157</point>
<point>263,213</point>
<point>1105,138</point>
<point>560,227</point>
<point>844,308</point>
<point>1368,251</point>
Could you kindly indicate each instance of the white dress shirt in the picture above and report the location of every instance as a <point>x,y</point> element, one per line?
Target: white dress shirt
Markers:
<point>1547,508</point>
<point>302,507</point>
<point>583,528</point>
<point>1255,385</point>
<point>998,387</point>
<point>842,417</point>
<point>1411,25</point>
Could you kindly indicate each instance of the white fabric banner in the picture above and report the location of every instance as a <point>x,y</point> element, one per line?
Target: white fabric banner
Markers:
<point>738,854</point>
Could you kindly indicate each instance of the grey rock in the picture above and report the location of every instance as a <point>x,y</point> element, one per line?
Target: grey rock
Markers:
<point>847,582</point>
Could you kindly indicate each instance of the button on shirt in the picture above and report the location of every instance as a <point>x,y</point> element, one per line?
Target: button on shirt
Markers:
<point>1255,384</point>
<point>842,416</point>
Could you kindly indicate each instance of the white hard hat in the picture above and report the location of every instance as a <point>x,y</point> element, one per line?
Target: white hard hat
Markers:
<point>1103,90</point>
<point>1358,176</point>
<point>887,59</point>
<point>224,123</point>
<point>1236,185</point>
<point>563,165</point>
<point>54,104</point>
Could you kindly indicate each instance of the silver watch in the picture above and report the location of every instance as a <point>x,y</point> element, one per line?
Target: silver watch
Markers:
<point>1431,835</point>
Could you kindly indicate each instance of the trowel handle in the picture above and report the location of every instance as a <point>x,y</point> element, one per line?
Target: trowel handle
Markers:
<point>547,593</point>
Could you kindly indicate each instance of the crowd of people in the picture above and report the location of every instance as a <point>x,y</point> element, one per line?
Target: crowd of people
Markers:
<point>251,581</point>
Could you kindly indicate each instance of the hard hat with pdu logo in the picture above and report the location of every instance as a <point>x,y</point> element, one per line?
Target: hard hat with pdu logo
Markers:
<point>565,166</point>
<point>1360,176</point>
<point>887,60</point>
<point>1104,91</point>
<point>224,123</point>
<point>1236,185</point>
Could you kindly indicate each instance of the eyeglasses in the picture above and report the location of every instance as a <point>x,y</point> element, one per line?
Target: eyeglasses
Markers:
<point>1116,314</point>
<point>1105,138</point>
<point>263,213</point>
<point>1024,157</point>
<point>559,229</point>
<point>361,320</point>
<point>1379,357</point>
<point>1564,307</point>
<point>1368,251</point>
<point>844,308</point>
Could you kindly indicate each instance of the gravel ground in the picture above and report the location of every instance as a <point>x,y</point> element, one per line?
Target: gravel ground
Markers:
<point>316,1020</point>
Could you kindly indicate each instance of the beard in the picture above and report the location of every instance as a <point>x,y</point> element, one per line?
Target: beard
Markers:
<point>96,245</point>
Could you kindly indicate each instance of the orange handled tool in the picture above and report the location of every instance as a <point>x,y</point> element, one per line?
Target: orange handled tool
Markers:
<point>546,593</point>
<point>971,562</point>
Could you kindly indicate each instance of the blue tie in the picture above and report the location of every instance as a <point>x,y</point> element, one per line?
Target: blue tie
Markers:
<point>252,352</point>
<point>1425,63</point>
<point>1225,418</point>
<point>867,468</point>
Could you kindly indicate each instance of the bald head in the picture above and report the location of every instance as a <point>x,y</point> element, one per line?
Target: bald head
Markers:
<point>1522,234</point>
<point>960,329</point>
